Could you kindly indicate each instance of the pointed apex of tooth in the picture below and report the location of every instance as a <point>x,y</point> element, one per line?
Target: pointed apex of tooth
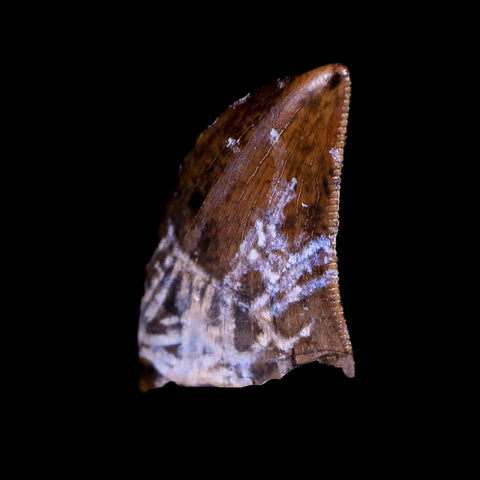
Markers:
<point>331,82</point>
<point>329,76</point>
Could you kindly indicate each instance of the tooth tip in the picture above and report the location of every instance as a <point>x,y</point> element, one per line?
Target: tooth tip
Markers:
<point>318,79</point>
<point>340,68</point>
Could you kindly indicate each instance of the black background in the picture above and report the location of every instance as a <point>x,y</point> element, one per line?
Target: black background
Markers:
<point>144,88</point>
<point>107,102</point>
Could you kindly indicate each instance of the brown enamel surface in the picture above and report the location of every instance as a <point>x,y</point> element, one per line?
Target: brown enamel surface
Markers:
<point>218,185</point>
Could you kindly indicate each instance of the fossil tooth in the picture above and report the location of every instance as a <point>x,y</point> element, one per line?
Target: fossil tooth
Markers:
<point>243,286</point>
